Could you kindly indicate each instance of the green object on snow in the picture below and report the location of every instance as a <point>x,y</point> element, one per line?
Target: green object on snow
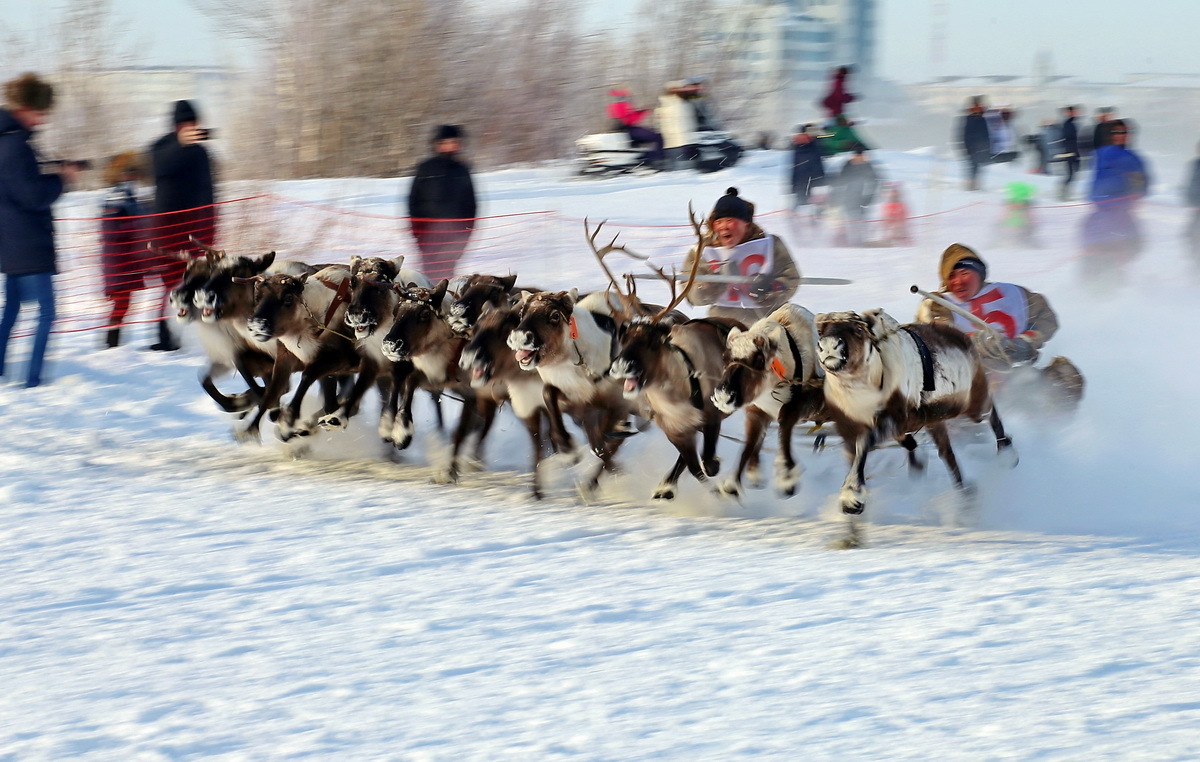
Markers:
<point>1019,192</point>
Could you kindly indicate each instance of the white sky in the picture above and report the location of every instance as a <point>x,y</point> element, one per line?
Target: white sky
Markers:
<point>1102,40</point>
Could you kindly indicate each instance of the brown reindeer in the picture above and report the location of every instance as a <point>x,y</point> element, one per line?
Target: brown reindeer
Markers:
<point>421,335</point>
<point>478,293</point>
<point>771,370</point>
<point>884,380</point>
<point>671,365</point>
<point>306,314</point>
<point>370,309</point>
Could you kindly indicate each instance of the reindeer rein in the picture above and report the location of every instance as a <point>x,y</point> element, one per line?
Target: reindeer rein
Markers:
<point>324,326</point>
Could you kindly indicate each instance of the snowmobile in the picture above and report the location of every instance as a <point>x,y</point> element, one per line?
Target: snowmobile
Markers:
<point>614,153</point>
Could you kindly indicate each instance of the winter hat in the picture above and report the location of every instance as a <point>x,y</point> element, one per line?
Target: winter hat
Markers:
<point>185,112</point>
<point>955,254</point>
<point>971,263</point>
<point>732,205</point>
<point>448,132</point>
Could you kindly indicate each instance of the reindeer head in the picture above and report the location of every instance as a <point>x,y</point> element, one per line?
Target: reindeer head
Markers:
<point>417,323</point>
<point>197,273</point>
<point>642,346</point>
<point>544,333</point>
<point>372,301</point>
<point>478,294</point>
<point>226,293</point>
<point>486,355</point>
<point>376,268</point>
<point>846,341</point>
<point>279,305</point>
<point>751,369</point>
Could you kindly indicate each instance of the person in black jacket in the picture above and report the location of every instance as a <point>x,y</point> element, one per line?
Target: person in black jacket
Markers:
<point>1070,150</point>
<point>441,204</point>
<point>183,199</point>
<point>27,253</point>
<point>1102,132</point>
<point>975,140</point>
<point>808,169</point>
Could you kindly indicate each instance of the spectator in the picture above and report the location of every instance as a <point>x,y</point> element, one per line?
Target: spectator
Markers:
<point>183,200</point>
<point>808,169</point>
<point>1070,151</point>
<point>975,141</point>
<point>629,120</point>
<point>1101,132</point>
<point>27,253</point>
<point>442,204</point>
<point>837,99</point>
<point>124,256</point>
<point>737,247</point>
<point>854,193</point>
<point>895,216</point>
<point>1111,233</point>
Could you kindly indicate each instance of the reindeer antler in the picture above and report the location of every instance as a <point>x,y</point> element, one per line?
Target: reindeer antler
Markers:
<point>677,299</point>
<point>209,251</point>
<point>631,304</point>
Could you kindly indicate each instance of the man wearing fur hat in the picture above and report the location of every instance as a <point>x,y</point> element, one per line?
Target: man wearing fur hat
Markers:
<point>753,272</point>
<point>27,253</point>
<point>1022,316</point>
<point>183,198</point>
<point>442,204</point>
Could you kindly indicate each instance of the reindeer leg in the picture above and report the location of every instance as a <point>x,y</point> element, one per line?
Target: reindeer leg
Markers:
<point>285,426</point>
<point>487,411</point>
<point>941,438</point>
<point>285,364</point>
<point>909,443</point>
<point>1003,441</point>
<point>533,424</point>
<point>708,451</point>
<point>559,436</point>
<point>237,404</point>
<point>666,489</point>
<point>387,414</point>
<point>853,497</point>
<point>402,431</point>
<point>466,422</point>
<point>756,431</point>
<point>787,471</point>
<point>349,407</point>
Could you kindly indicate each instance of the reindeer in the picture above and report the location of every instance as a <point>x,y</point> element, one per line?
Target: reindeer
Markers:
<point>226,348</point>
<point>421,335</point>
<point>306,314</point>
<point>670,363</point>
<point>374,284</point>
<point>569,342</point>
<point>884,380</point>
<point>477,293</point>
<point>771,370</point>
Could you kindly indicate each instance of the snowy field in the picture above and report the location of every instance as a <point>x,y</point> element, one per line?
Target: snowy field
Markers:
<point>170,594</point>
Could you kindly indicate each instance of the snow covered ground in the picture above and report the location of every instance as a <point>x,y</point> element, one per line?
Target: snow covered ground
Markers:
<point>170,594</point>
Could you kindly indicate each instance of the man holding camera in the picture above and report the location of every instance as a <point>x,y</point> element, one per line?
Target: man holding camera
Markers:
<point>183,199</point>
<point>27,252</point>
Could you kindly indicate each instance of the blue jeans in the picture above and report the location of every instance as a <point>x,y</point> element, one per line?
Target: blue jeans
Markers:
<point>27,288</point>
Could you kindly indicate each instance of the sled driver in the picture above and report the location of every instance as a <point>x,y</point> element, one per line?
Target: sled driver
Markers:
<point>752,273</point>
<point>1022,319</point>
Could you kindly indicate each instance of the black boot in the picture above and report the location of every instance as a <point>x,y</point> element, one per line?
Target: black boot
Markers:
<point>166,342</point>
<point>112,338</point>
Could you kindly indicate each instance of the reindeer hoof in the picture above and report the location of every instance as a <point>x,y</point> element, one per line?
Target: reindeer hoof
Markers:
<point>248,435</point>
<point>711,467</point>
<point>664,492</point>
<point>730,488</point>
<point>445,476</point>
<point>332,421</point>
<point>852,507</point>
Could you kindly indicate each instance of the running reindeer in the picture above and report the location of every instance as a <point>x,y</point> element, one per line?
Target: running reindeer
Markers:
<point>670,364</point>
<point>885,380</point>
<point>772,370</point>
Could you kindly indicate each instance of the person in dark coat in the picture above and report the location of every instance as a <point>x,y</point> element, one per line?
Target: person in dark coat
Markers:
<point>808,169</point>
<point>975,140</point>
<point>442,205</point>
<point>1069,151</point>
<point>27,253</point>
<point>183,199</point>
<point>1102,131</point>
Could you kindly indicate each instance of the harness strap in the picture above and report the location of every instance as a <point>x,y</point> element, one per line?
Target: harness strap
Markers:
<point>926,358</point>
<point>339,298</point>
<point>696,397</point>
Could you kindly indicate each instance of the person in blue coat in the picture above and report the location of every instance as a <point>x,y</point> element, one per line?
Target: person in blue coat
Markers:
<point>1111,233</point>
<point>27,253</point>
